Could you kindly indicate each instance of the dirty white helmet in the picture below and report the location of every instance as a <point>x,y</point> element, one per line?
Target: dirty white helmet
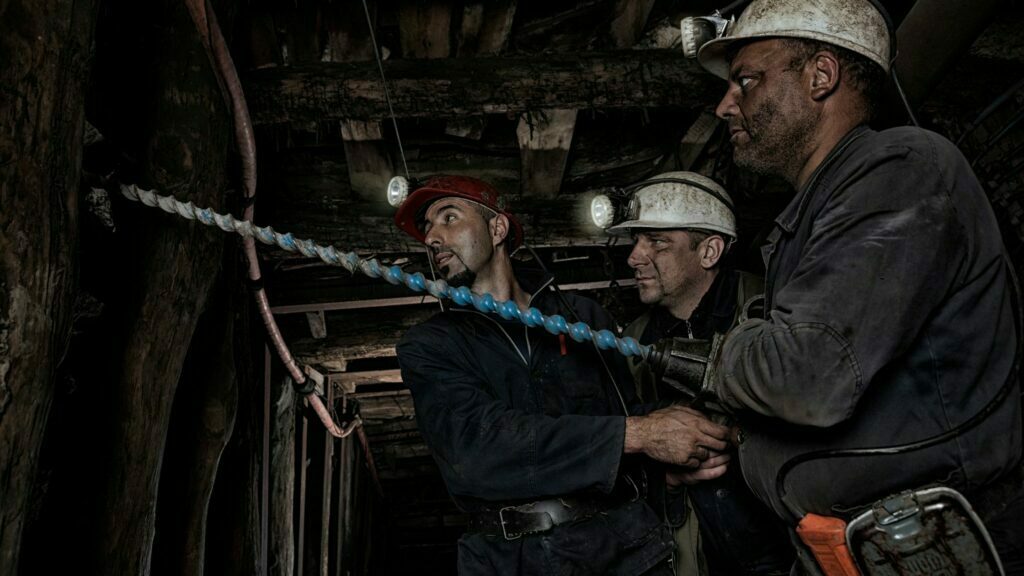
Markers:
<point>856,25</point>
<point>679,200</point>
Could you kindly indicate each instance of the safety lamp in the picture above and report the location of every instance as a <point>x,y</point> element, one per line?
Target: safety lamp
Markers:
<point>696,31</point>
<point>398,190</point>
<point>602,211</point>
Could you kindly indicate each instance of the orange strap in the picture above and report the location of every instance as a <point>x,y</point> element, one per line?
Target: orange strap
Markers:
<point>826,537</point>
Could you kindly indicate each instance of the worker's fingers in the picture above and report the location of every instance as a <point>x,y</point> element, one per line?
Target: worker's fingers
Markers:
<point>701,474</point>
<point>714,429</point>
<point>701,453</point>
<point>716,459</point>
<point>712,442</point>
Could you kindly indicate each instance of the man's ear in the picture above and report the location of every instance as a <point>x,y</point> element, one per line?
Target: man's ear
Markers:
<point>825,73</point>
<point>714,249</point>
<point>499,229</point>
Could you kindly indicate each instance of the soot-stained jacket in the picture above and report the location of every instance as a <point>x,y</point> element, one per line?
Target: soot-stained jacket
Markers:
<point>889,321</point>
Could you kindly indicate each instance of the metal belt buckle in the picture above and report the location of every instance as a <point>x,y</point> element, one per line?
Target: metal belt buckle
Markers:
<point>504,523</point>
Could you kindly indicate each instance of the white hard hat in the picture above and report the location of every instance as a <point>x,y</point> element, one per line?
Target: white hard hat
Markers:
<point>679,200</point>
<point>856,25</point>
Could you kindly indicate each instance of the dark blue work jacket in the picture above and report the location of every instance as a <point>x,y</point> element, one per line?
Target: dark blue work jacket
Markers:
<point>889,322</point>
<point>515,414</point>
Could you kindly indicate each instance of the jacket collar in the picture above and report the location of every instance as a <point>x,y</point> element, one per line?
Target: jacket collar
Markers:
<point>789,217</point>
<point>532,280</point>
<point>714,313</point>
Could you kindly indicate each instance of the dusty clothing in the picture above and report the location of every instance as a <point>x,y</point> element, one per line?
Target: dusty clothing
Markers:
<point>738,534</point>
<point>889,322</point>
<point>515,414</point>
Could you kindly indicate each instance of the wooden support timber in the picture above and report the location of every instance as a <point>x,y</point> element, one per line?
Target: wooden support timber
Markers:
<point>485,30</point>
<point>630,19</point>
<point>450,88</point>
<point>425,28</point>
<point>545,137</point>
<point>46,50</point>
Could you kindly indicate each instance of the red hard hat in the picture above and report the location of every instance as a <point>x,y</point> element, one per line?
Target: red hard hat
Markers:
<point>408,216</point>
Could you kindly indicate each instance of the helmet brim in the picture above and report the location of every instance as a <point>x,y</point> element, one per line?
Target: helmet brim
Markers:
<point>712,56</point>
<point>626,228</point>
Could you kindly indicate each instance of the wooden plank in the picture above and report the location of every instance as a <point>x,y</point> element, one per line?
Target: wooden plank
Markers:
<point>485,27</point>
<point>450,88</point>
<point>629,21</point>
<point>350,381</point>
<point>280,479</point>
<point>366,154</point>
<point>484,31</point>
<point>317,324</point>
<point>424,28</point>
<point>545,137</point>
<point>347,37</point>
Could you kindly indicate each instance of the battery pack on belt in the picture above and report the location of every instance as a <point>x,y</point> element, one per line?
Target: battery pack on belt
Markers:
<point>826,537</point>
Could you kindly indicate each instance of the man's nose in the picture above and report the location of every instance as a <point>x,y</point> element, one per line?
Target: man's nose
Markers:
<point>637,257</point>
<point>433,238</point>
<point>728,107</point>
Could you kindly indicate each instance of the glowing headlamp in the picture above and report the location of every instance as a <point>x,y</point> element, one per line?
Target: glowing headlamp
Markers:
<point>398,190</point>
<point>602,211</point>
<point>607,210</point>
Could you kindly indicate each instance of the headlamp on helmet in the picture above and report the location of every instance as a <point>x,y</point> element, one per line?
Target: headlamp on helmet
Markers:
<point>398,191</point>
<point>696,31</point>
<point>673,200</point>
<point>860,26</point>
<point>607,210</point>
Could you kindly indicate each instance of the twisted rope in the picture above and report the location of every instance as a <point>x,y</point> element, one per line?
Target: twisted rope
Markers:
<point>417,282</point>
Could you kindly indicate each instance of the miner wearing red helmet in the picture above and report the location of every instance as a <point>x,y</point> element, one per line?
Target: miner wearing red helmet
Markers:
<point>526,428</point>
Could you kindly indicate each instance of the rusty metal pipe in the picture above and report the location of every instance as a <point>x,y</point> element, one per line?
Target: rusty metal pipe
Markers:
<point>216,46</point>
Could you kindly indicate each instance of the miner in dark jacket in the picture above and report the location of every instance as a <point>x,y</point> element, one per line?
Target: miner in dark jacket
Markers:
<point>890,316</point>
<point>682,225</point>
<point>532,432</point>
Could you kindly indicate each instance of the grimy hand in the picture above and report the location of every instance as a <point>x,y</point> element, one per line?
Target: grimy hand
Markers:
<point>715,466</point>
<point>675,435</point>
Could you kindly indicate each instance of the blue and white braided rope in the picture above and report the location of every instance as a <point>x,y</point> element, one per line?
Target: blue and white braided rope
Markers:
<point>417,282</point>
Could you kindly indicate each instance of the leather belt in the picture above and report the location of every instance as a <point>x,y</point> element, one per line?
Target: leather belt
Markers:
<point>513,522</point>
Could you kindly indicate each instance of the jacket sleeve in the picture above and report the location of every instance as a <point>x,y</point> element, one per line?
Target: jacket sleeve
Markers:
<point>490,451</point>
<point>883,252</point>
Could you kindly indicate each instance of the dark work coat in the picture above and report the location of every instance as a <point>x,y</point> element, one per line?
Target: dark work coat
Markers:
<point>515,414</point>
<point>889,322</point>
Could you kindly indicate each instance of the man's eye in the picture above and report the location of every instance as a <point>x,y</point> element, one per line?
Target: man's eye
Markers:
<point>744,82</point>
<point>449,218</point>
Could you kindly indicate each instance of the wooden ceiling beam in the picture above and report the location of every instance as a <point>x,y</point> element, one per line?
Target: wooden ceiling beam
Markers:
<point>545,137</point>
<point>455,87</point>
<point>627,26</point>
<point>366,154</point>
<point>425,28</point>
<point>485,30</point>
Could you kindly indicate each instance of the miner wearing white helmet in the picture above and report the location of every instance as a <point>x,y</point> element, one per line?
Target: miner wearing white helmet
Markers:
<point>890,312</point>
<point>538,438</point>
<point>682,225</point>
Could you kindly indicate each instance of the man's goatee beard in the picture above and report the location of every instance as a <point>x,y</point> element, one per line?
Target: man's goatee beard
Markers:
<point>464,278</point>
